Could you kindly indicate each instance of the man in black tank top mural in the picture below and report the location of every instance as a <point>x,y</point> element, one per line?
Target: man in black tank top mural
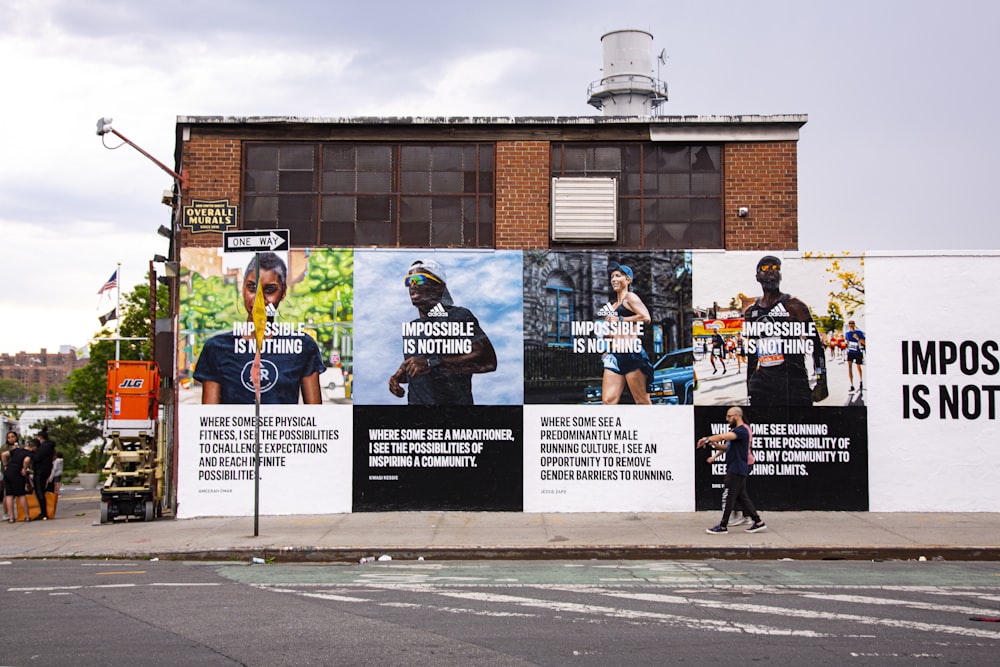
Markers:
<point>780,333</point>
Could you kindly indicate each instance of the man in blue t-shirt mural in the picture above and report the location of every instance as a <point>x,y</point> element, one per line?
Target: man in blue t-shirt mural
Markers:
<point>443,347</point>
<point>291,360</point>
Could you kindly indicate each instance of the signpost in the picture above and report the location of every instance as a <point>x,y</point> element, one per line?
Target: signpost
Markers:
<point>256,241</point>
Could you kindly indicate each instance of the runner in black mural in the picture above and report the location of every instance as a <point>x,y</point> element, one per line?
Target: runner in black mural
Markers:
<point>780,333</point>
<point>443,347</point>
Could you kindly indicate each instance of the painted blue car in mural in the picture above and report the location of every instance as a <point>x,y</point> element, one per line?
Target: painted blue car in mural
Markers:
<point>674,381</point>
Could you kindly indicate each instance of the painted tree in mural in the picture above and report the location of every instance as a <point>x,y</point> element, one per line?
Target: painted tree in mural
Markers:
<point>848,278</point>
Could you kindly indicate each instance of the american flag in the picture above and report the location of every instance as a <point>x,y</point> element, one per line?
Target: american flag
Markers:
<point>111,284</point>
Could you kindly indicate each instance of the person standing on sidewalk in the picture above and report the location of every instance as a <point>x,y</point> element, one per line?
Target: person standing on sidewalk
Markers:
<point>15,477</point>
<point>41,463</point>
<point>736,444</point>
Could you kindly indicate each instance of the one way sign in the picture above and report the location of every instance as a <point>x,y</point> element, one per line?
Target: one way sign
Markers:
<point>255,240</point>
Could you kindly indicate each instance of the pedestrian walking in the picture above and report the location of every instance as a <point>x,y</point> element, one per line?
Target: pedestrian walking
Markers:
<point>736,444</point>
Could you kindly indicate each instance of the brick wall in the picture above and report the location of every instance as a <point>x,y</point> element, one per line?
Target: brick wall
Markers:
<point>522,195</point>
<point>212,167</point>
<point>763,177</point>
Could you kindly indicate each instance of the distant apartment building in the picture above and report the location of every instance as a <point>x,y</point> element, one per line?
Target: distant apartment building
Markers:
<point>42,369</point>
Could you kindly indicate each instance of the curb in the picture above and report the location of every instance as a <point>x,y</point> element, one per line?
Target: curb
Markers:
<point>631,552</point>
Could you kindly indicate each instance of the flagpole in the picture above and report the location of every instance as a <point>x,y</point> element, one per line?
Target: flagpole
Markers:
<point>118,319</point>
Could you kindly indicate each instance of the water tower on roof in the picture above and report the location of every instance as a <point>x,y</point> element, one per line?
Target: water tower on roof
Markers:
<point>628,87</point>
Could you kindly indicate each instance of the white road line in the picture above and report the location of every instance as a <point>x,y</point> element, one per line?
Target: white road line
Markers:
<point>895,602</point>
<point>615,612</point>
<point>804,613</point>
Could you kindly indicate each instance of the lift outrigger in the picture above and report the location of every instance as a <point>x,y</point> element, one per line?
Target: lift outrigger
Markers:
<point>134,484</point>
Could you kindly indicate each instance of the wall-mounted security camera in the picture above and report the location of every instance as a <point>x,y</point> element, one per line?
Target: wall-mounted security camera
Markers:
<point>743,211</point>
<point>167,198</point>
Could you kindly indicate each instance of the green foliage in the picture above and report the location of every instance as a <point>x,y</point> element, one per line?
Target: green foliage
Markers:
<point>70,436</point>
<point>11,411</point>
<point>833,321</point>
<point>94,461</point>
<point>87,387</point>
<point>12,390</point>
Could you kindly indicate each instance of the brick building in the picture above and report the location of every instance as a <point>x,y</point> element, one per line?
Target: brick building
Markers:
<point>607,183</point>
<point>42,369</point>
<point>675,182</point>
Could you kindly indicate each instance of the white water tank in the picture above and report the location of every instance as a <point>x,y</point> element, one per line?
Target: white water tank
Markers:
<point>629,87</point>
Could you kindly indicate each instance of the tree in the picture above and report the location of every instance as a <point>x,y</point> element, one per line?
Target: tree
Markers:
<point>12,390</point>
<point>70,436</point>
<point>87,386</point>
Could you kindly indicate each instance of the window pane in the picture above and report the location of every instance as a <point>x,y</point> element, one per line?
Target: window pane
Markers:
<point>630,184</point>
<point>706,210</point>
<point>672,184</point>
<point>375,233</point>
<point>486,182</point>
<point>336,234</point>
<point>706,184</point>
<point>575,159</point>
<point>705,158</point>
<point>338,157</point>
<point>340,181</point>
<point>607,158</point>
<point>339,209</point>
<point>486,162</point>
<point>301,232</point>
<point>447,158</point>
<point>260,180</point>
<point>678,210</point>
<point>486,235</point>
<point>415,158</point>
<point>415,182</point>
<point>374,158</point>
<point>631,228</point>
<point>262,157</point>
<point>706,235</point>
<point>261,208</point>
<point>446,209</point>
<point>414,209</point>
<point>296,211</point>
<point>296,156</point>
<point>446,234</point>
<point>415,233</point>
<point>295,181</point>
<point>448,181</point>
<point>373,209</point>
<point>374,181</point>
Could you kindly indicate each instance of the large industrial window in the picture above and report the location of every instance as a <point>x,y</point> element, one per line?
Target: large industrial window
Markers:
<point>669,195</point>
<point>372,194</point>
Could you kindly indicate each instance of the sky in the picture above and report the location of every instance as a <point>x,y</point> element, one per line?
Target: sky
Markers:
<point>899,95</point>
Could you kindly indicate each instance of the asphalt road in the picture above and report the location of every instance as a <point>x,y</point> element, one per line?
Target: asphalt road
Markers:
<point>498,613</point>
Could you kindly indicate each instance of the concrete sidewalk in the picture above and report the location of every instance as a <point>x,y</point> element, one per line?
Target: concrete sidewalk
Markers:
<point>77,532</point>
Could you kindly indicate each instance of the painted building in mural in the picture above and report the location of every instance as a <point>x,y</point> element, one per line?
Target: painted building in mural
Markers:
<point>541,314</point>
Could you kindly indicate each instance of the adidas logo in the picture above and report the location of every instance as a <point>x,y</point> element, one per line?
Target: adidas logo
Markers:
<point>779,311</point>
<point>606,309</point>
<point>437,311</point>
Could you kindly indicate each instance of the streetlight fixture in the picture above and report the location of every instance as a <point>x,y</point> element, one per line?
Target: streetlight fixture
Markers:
<point>104,128</point>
